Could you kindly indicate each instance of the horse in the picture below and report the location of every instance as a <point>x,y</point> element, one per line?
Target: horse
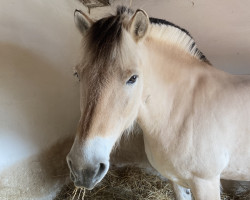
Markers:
<point>195,118</point>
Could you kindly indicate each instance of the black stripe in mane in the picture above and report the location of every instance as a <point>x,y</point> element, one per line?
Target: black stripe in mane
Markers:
<point>167,23</point>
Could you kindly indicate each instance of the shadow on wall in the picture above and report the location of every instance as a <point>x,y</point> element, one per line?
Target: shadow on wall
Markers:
<point>38,177</point>
<point>38,104</point>
<point>43,175</point>
<point>38,107</point>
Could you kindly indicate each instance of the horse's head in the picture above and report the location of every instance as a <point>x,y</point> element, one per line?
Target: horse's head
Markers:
<point>111,90</point>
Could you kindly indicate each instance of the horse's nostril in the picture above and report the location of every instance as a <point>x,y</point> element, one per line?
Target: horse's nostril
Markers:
<point>72,173</point>
<point>101,170</point>
<point>102,167</point>
<point>70,164</point>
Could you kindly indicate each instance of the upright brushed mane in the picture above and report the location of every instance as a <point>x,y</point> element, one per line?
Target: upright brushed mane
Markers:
<point>169,32</point>
<point>105,36</point>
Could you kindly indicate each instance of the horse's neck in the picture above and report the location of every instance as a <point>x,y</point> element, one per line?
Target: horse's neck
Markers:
<point>170,79</point>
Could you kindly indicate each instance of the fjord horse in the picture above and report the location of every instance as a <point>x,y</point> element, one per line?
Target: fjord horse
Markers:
<point>195,118</point>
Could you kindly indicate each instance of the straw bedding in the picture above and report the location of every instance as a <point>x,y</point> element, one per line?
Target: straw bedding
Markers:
<point>129,183</point>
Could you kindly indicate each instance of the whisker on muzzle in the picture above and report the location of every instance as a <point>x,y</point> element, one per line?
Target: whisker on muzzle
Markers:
<point>83,193</point>
<point>79,195</point>
<point>74,193</point>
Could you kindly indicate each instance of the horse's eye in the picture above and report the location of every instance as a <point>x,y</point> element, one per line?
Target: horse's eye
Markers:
<point>132,80</point>
<point>76,75</point>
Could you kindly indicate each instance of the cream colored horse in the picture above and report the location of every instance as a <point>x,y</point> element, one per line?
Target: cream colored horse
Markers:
<point>195,118</point>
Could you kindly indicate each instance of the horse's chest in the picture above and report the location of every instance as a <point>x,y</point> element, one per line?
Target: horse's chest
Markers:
<point>159,159</point>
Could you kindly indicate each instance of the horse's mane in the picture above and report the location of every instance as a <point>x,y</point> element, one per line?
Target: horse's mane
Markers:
<point>168,31</point>
<point>106,34</point>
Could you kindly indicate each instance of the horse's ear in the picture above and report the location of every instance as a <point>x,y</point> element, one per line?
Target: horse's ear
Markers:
<point>138,25</point>
<point>82,21</point>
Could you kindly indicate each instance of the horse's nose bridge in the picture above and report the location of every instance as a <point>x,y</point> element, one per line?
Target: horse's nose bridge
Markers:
<point>82,156</point>
<point>91,120</point>
<point>92,109</point>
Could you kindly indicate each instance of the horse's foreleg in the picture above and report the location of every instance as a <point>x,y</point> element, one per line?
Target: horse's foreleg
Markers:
<point>181,193</point>
<point>203,189</point>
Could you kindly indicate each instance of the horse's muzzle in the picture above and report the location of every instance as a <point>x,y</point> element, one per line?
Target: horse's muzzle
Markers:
<point>89,177</point>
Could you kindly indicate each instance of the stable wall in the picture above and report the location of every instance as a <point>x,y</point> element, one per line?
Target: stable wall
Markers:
<point>221,29</point>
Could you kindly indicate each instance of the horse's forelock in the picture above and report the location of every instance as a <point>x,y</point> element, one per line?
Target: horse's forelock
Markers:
<point>103,38</point>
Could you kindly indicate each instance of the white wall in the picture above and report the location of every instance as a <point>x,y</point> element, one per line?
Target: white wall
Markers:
<point>39,101</point>
<point>220,28</point>
<point>38,96</point>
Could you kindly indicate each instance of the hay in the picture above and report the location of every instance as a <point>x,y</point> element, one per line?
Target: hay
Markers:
<point>129,183</point>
